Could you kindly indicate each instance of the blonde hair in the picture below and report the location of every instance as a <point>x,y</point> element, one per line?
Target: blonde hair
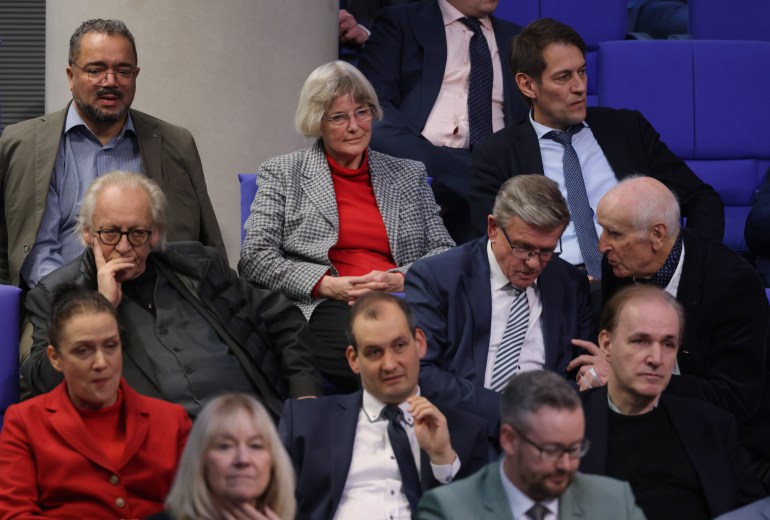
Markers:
<point>191,498</point>
<point>325,84</point>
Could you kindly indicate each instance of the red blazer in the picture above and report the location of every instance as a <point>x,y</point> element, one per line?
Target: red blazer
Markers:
<point>52,467</point>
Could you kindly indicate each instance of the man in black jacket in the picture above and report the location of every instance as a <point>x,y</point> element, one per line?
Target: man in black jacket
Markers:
<point>190,328</point>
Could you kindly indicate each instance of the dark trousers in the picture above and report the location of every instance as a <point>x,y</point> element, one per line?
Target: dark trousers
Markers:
<point>328,323</point>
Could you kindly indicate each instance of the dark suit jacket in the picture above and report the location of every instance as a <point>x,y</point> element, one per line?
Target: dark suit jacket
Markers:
<point>405,59</point>
<point>451,300</point>
<point>710,440</point>
<point>723,357</point>
<point>631,145</point>
<point>27,156</point>
<point>319,435</point>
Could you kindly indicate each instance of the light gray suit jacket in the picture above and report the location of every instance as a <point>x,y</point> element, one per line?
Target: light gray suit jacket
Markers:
<point>481,496</point>
<point>759,510</point>
<point>27,156</point>
<point>294,221</point>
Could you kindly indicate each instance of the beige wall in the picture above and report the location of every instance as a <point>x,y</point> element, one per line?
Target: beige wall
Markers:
<point>228,70</point>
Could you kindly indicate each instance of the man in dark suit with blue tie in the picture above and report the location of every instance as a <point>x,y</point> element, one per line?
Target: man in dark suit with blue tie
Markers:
<point>423,60</point>
<point>381,447</point>
<point>465,301</point>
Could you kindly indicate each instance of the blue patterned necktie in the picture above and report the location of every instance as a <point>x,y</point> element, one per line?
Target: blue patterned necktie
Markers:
<point>399,441</point>
<point>480,84</point>
<point>507,359</point>
<point>577,199</point>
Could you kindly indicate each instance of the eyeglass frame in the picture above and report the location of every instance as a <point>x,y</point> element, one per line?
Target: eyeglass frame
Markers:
<point>121,234</point>
<point>116,74</point>
<point>345,117</point>
<point>547,453</point>
<point>530,253</point>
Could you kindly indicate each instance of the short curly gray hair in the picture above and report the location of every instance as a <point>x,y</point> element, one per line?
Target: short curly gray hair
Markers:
<point>325,84</point>
<point>128,180</point>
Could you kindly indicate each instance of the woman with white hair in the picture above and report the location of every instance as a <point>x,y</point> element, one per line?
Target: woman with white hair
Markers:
<point>234,467</point>
<point>336,220</point>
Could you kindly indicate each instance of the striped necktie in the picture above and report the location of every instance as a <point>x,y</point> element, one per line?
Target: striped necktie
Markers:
<point>507,359</point>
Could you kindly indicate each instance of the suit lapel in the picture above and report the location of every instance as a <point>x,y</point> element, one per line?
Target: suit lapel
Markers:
<point>430,36</point>
<point>343,424</point>
<point>385,186</point>
<point>150,145</point>
<point>503,40</point>
<point>48,135</point>
<point>66,421</point>
<point>597,416</point>
<point>494,499</point>
<point>318,186</point>
<point>571,503</point>
<point>527,147</point>
<point>689,292</point>
<point>137,419</point>
<point>476,287</point>
<point>553,316</point>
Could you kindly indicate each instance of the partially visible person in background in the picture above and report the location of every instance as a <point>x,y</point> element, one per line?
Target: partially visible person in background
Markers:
<point>234,467</point>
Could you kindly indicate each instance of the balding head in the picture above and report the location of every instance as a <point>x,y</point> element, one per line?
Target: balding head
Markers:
<point>640,221</point>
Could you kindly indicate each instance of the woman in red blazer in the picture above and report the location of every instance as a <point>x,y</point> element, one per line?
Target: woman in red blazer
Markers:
<point>92,447</point>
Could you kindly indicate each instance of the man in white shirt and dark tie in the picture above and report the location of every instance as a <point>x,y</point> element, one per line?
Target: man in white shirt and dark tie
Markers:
<point>372,454</point>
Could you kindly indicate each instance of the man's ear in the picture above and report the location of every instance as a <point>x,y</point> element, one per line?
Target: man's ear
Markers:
<point>658,235</point>
<point>604,342</point>
<point>53,357</point>
<point>422,341</point>
<point>526,85</point>
<point>352,356</point>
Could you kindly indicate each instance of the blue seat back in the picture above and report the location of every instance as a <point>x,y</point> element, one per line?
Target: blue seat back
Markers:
<point>708,100</point>
<point>729,20</point>
<point>9,347</point>
<point>248,189</point>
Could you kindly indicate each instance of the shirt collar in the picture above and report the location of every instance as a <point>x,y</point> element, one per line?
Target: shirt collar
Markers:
<point>518,501</point>
<point>450,14</point>
<point>372,407</point>
<point>541,130</point>
<point>498,279</point>
<point>74,120</point>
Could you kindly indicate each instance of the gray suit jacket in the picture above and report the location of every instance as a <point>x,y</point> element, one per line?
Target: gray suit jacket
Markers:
<point>481,496</point>
<point>294,221</point>
<point>27,156</point>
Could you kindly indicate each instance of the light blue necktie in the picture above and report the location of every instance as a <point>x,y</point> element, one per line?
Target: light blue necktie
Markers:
<point>577,200</point>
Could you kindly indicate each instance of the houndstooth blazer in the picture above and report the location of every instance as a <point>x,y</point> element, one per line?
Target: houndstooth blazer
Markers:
<point>294,222</point>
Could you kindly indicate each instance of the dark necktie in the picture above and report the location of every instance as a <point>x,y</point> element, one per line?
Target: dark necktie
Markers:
<point>537,511</point>
<point>399,441</point>
<point>507,358</point>
<point>663,277</point>
<point>577,199</point>
<point>480,84</point>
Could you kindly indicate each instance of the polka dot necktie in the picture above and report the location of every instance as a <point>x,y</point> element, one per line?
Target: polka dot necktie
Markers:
<point>480,84</point>
<point>580,210</point>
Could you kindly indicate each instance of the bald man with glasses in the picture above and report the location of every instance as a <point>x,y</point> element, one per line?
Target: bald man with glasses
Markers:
<point>502,304</point>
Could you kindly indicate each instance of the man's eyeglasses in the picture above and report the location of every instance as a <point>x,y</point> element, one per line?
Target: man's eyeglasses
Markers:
<point>98,75</point>
<point>554,453</point>
<point>362,115</point>
<point>523,253</point>
<point>136,237</point>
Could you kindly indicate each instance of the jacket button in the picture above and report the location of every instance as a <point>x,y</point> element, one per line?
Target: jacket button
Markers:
<point>26,248</point>
<point>120,502</point>
<point>114,479</point>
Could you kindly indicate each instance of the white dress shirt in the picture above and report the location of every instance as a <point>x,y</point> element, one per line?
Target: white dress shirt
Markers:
<point>373,488</point>
<point>447,124</point>
<point>532,356</point>
<point>521,503</point>
<point>598,177</point>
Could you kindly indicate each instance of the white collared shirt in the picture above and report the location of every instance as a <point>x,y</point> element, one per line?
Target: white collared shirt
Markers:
<point>532,356</point>
<point>521,503</point>
<point>373,486</point>
<point>447,124</point>
<point>598,177</point>
<point>672,288</point>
